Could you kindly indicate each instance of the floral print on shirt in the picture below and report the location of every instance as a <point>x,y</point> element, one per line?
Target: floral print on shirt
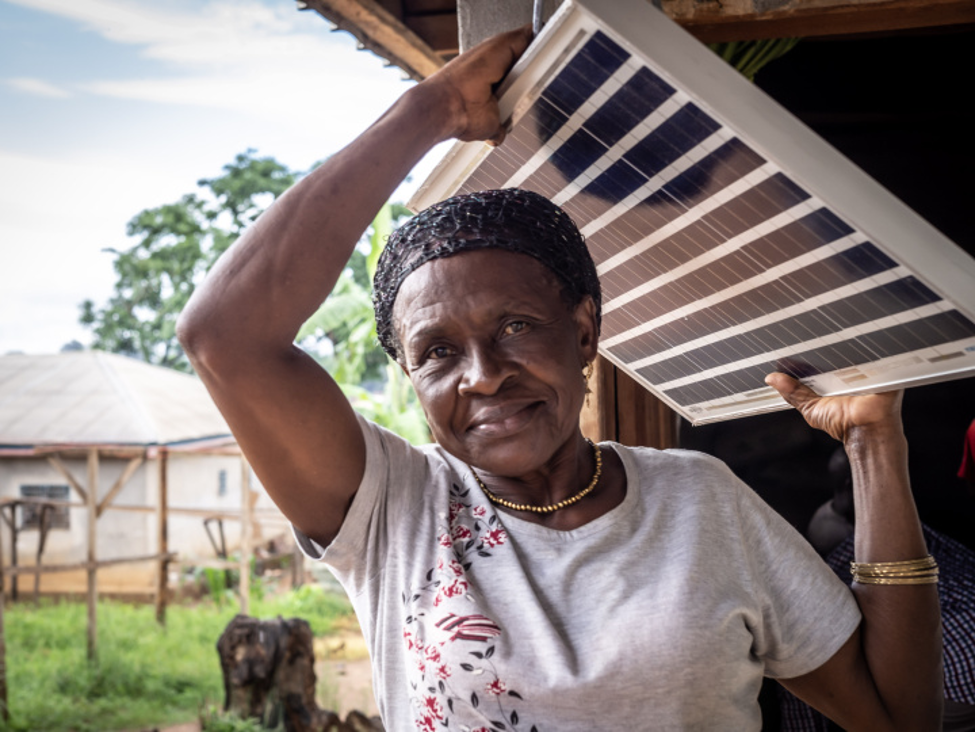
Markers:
<point>450,646</point>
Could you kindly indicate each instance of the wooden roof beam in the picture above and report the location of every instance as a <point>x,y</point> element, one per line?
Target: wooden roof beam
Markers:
<point>379,31</point>
<point>737,20</point>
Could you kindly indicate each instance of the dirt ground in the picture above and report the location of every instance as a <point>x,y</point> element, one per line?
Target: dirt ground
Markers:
<point>343,673</point>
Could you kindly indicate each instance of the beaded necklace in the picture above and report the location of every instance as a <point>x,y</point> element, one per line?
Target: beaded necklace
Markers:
<point>498,500</point>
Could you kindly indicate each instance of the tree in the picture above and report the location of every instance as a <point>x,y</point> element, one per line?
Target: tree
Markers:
<point>178,244</point>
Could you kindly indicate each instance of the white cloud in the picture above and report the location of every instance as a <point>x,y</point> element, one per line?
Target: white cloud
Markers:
<point>271,62</point>
<point>37,87</point>
<point>234,75</point>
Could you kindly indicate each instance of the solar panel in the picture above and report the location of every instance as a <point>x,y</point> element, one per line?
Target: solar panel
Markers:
<point>731,241</point>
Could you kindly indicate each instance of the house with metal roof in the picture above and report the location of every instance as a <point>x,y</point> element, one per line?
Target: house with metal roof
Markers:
<point>92,447</point>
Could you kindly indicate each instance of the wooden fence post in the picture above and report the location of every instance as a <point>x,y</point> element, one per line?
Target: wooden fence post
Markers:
<point>92,501</point>
<point>162,541</point>
<point>4,712</point>
<point>245,563</point>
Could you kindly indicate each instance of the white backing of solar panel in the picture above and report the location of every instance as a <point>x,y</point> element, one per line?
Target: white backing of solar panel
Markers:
<point>745,113</point>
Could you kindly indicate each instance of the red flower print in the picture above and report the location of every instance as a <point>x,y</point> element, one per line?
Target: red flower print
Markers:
<point>444,671</point>
<point>454,509</point>
<point>408,640</point>
<point>433,654</point>
<point>495,687</point>
<point>494,538</point>
<point>455,588</point>
<point>461,533</point>
<point>433,707</point>
<point>455,567</point>
<point>444,540</point>
<point>478,511</point>
<point>425,723</point>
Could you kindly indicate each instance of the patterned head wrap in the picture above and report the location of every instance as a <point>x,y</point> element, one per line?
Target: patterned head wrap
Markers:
<point>511,219</point>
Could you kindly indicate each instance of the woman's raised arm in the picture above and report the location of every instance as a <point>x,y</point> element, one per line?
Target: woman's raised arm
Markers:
<point>888,675</point>
<point>290,418</point>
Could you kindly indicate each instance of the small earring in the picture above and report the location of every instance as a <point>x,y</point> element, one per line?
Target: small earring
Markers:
<point>588,372</point>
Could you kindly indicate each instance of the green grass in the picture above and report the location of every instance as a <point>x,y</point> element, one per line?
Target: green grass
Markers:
<point>145,676</point>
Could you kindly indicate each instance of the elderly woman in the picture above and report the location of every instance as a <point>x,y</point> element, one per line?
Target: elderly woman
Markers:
<point>513,575</point>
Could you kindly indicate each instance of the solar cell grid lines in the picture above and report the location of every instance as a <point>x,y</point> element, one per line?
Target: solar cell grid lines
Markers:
<point>729,240</point>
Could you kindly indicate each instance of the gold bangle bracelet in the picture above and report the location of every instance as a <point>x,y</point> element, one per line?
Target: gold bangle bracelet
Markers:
<point>907,571</point>
<point>922,571</point>
<point>923,563</point>
<point>927,560</point>
<point>917,580</point>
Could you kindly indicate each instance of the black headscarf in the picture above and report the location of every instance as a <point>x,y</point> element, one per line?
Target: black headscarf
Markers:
<point>510,219</point>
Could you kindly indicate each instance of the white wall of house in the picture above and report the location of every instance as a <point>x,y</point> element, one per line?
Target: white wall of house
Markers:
<point>195,481</point>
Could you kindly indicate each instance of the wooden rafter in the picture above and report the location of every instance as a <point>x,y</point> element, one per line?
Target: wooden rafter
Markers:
<point>734,20</point>
<point>59,466</point>
<point>130,469</point>
<point>381,32</point>
<point>420,43</point>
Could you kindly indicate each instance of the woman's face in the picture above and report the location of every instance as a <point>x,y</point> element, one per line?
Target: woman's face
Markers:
<point>495,356</point>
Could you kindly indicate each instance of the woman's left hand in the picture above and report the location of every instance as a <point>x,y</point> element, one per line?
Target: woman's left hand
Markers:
<point>840,417</point>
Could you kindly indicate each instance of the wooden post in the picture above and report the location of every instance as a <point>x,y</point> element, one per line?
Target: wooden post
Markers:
<point>13,551</point>
<point>245,581</point>
<point>4,712</point>
<point>92,501</point>
<point>162,537</point>
<point>46,510</point>
<point>298,567</point>
<point>624,411</point>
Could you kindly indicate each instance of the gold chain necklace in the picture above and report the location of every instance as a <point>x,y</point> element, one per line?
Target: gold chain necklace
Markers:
<point>549,507</point>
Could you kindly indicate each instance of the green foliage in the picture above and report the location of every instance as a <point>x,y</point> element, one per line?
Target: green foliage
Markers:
<point>321,608</point>
<point>396,408</point>
<point>145,676</point>
<point>213,718</point>
<point>346,322</point>
<point>748,57</point>
<point>178,243</point>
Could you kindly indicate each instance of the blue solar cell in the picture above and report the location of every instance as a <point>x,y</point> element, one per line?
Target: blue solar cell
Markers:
<point>661,147</point>
<point>713,173</point>
<point>577,154</point>
<point>894,297</point>
<point>634,101</point>
<point>699,181</point>
<point>629,105</point>
<point>919,334</point>
<point>540,122</point>
<point>677,135</point>
<point>592,66</point>
<point>762,300</point>
<point>758,204</point>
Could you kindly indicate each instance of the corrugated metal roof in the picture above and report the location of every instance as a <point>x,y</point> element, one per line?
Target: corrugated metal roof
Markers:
<point>95,398</point>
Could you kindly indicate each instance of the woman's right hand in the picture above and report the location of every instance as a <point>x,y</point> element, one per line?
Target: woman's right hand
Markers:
<point>465,86</point>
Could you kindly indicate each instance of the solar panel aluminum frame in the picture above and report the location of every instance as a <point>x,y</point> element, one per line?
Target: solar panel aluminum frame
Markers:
<point>767,128</point>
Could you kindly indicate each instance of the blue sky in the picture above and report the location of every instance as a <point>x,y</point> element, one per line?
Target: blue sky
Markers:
<point>108,107</point>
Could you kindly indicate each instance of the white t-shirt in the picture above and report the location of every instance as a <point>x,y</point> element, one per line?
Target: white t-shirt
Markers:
<point>663,614</point>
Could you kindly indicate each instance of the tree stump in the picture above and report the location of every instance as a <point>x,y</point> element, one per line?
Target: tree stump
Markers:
<point>269,674</point>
